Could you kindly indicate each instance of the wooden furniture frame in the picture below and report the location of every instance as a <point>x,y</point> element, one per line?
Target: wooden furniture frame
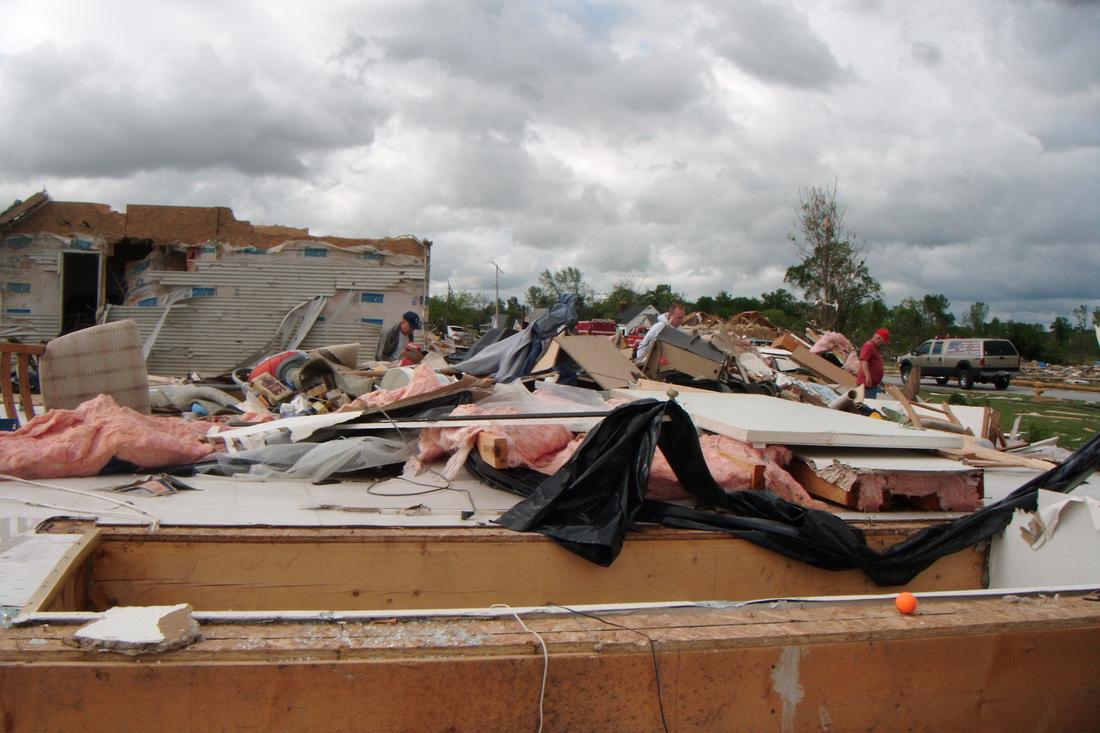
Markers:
<point>22,354</point>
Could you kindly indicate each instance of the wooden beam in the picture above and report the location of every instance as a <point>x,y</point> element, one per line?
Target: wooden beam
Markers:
<point>756,668</point>
<point>493,449</point>
<point>297,571</point>
<point>549,357</point>
<point>821,488</point>
<point>59,583</point>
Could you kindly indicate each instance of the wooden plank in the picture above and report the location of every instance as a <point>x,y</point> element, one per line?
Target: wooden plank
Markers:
<point>549,357</point>
<point>422,573</point>
<point>6,387</point>
<point>717,670</point>
<point>821,488</point>
<point>493,449</point>
<point>906,405</point>
<point>597,356</point>
<point>801,355</point>
<point>762,419</point>
<point>988,456</point>
<point>68,566</point>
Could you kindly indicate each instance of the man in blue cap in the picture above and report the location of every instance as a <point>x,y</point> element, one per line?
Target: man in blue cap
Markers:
<point>393,344</point>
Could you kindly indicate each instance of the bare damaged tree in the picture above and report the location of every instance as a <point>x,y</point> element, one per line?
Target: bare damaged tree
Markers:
<point>832,275</point>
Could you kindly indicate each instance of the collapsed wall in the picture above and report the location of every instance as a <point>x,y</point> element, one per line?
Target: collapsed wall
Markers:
<point>230,301</point>
<point>207,290</point>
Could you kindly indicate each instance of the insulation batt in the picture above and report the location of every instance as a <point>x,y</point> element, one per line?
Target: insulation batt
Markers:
<point>832,341</point>
<point>532,446</point>
<point>423,380</point>
<point>81,442</point>
<point>731,463</point>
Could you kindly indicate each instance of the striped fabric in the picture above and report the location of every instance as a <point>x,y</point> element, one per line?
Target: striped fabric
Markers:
<point>102,359</point>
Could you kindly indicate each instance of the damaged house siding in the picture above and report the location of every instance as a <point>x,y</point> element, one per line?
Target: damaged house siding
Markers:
<point>206,290</point>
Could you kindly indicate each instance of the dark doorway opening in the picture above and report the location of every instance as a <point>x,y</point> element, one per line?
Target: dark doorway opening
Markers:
<point>124,253</point>
<point>79,290</point>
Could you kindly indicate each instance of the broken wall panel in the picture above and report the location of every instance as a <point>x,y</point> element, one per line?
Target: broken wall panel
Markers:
<point>222,285</point>
<point>30,283</point>
<point>871,481</point>
<point>231,301</point>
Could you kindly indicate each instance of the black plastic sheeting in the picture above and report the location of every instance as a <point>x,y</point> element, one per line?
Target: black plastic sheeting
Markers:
<point>589,504</point>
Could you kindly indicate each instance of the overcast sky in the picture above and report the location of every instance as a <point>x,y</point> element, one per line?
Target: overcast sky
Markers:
<point>650,141</point>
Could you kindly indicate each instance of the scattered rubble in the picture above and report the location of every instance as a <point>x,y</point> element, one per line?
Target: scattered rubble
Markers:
<point>554,374</point>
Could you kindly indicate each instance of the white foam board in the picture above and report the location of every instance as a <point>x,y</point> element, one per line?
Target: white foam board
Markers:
<point>762,419</point>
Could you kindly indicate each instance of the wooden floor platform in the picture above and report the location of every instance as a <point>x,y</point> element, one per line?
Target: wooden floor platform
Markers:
<point>285,568</point>
<point>974,664</point>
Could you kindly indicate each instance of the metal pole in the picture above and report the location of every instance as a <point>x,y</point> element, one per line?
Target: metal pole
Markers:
<point>496,318</point>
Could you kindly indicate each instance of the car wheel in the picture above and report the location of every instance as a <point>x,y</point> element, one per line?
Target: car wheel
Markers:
<point>966,379</point>
<point>941,381</point>
<point>905,369</point>
<point>1001,382</point>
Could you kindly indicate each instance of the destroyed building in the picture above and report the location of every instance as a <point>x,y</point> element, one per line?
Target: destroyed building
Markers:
<point>207,290</point>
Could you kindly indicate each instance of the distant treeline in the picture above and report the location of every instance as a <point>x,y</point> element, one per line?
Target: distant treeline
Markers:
<point>911,321</point>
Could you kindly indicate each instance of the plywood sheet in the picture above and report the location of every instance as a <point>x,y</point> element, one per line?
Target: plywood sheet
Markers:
<point>598,356</point>
<point>762,419</point>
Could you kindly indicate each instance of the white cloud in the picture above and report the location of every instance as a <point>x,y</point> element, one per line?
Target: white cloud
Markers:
<point>652,141</point>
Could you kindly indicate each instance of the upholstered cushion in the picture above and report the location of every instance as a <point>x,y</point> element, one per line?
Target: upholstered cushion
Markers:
<point>104,359</point>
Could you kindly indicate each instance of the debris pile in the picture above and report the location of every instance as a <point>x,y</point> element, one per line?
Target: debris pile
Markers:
<point>785,418</point>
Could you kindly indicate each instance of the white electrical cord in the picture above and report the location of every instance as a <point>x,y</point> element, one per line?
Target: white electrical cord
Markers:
<point>545,656</point>
<point>154,520</point>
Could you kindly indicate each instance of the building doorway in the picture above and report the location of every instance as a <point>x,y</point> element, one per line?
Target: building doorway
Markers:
<point>79,290</point>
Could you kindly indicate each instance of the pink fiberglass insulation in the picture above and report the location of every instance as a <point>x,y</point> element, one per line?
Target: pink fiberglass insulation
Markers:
<point>424,380</point>
<point>956,492</point>
<point>532,446</point>
<point>731,462</point>
<point>832,341</point>
<point>81,442</point>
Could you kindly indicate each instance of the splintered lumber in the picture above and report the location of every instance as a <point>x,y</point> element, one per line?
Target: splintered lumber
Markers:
<point>872,481</point>
<point>808,360</point>
<point>988,456</point>
<point>912,384</point>
<point>906,405</point>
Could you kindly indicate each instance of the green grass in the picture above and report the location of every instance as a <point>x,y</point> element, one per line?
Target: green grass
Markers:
<point>1071,421</point>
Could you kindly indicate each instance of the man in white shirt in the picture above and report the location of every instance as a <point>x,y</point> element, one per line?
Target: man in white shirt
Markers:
<point>674,318</point>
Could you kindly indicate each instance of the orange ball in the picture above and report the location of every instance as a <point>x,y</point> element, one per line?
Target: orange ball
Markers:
<point>906,603</point>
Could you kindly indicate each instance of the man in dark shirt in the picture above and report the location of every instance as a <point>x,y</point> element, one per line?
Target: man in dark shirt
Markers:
<point>392,345</point>
<point>870,363</point>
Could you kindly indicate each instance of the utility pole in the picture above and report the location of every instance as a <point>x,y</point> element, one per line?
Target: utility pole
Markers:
<point>496,318</point>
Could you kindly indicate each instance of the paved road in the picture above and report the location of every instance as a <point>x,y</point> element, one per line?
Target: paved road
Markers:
<point>984,390</point>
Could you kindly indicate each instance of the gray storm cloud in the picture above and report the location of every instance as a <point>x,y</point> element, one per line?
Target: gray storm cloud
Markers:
<point>651,141</point>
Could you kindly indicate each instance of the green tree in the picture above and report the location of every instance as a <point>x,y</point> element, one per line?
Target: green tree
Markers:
<point>1081,317</point>
<point>975,317</point>
<point>552,285</point>
<point>706,304</point>
<point>456,308</point>
<point>938,317</point>
<point>622,295</point>
<point>662,296</point>
<point>1061,329</point>
<point>832,275</point>
<point>782,300</point>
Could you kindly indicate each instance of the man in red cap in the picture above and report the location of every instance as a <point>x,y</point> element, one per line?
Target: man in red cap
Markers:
<point>870,363</point>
